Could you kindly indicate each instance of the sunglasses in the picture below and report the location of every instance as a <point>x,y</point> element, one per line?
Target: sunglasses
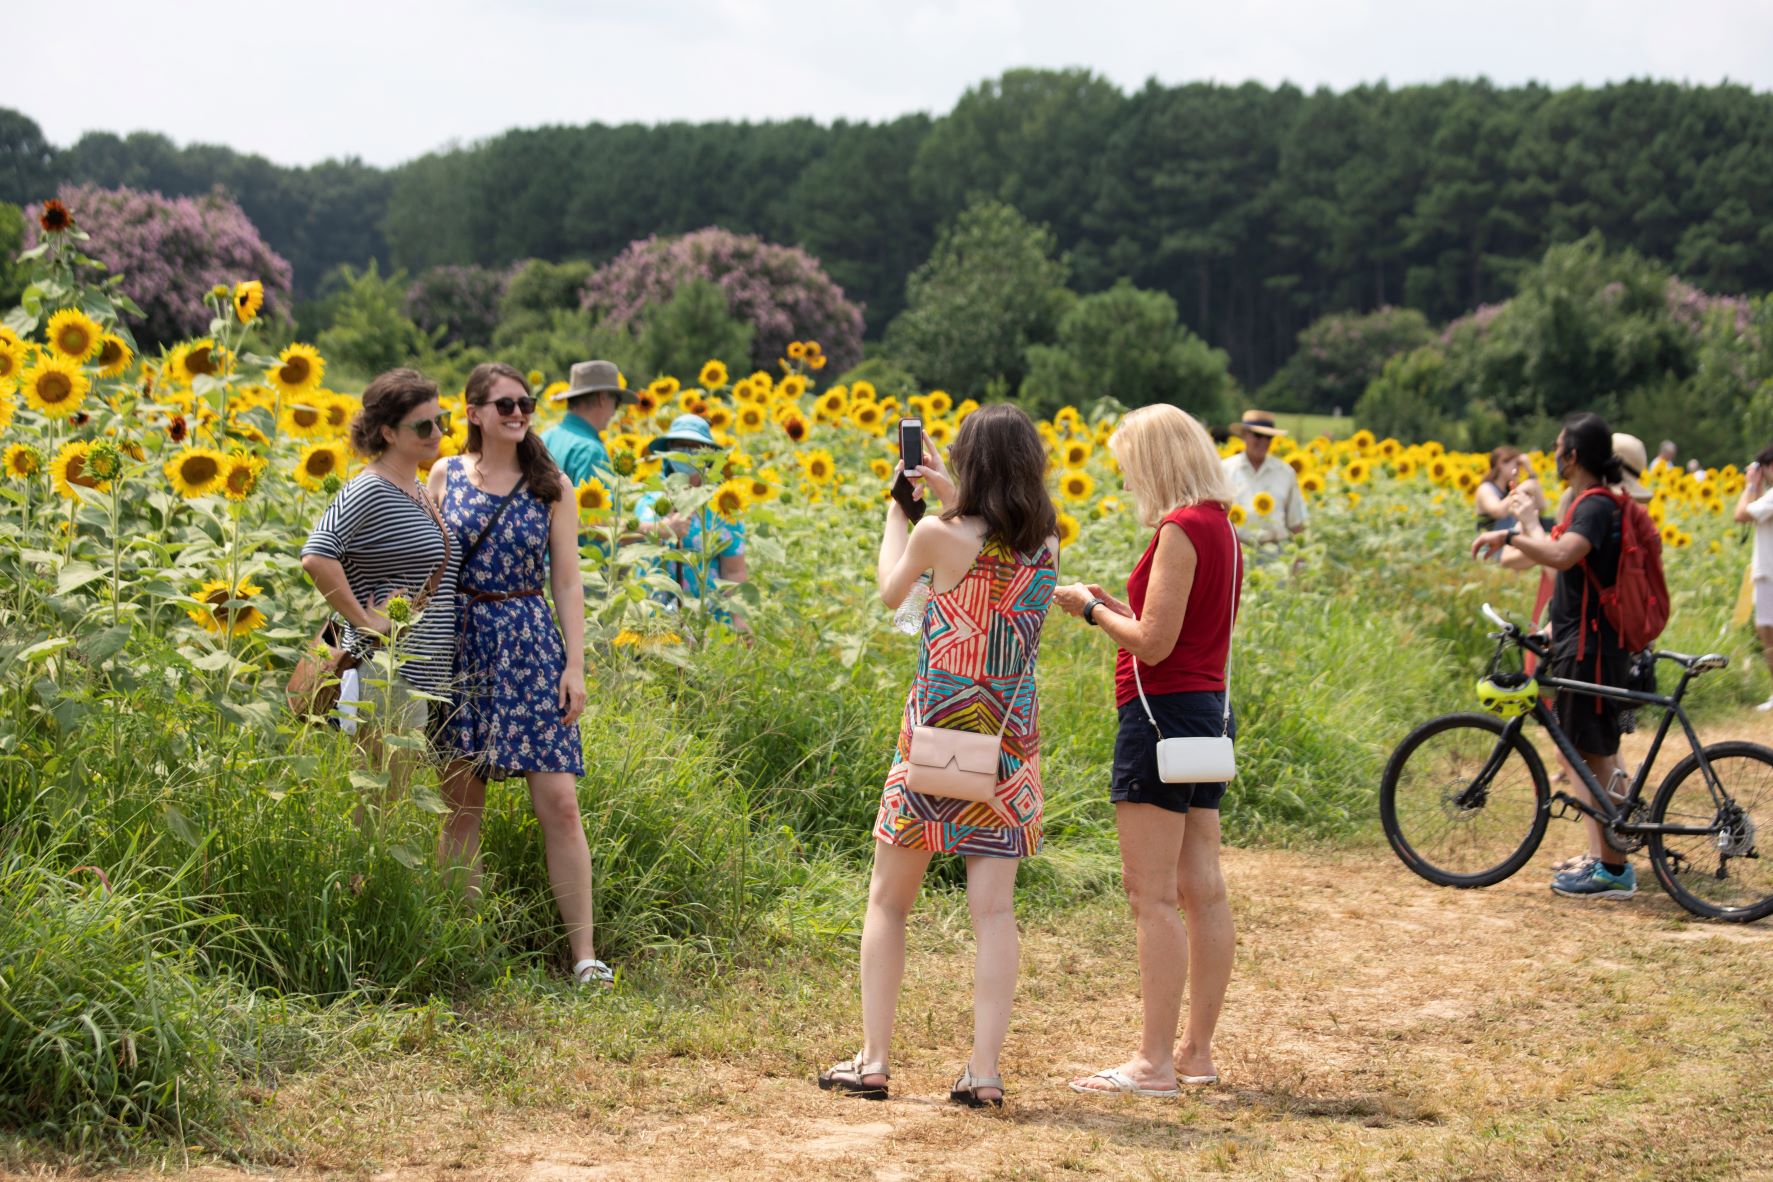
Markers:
<point>423,427</point>
<point>506,406</point>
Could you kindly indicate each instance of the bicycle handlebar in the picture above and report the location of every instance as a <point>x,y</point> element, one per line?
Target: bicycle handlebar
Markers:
<point>1495,618</point>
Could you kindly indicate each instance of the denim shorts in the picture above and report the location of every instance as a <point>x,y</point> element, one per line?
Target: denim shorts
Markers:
<point>1135,779</point>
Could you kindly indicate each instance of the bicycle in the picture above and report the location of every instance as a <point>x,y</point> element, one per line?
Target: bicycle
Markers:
<point>1465,799</point>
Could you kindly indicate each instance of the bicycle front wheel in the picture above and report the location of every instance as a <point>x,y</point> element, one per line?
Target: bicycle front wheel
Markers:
<point>1464,803</point>
<point>1726,873</point>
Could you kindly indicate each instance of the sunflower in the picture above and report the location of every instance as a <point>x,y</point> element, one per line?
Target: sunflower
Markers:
<point>317,462</point>
<point>797,350</point>
<point>74,335</point>
<point>69,469</point>
<point>720,417</point>
<point>196,471</point>
<point>1357,472</point>
<point>1076,485</point>
<point>731,500</point>
<point>55,217</point>
<point>249,297</point>
<point>831,405</point>
<point>713,375</point>
<point>1263,504</point>
<point>1299,462</point>
<point>220,610</point>
<point>114,356</point>
<point>1670,535</point>
<point>593,498</point>
<point>792,387</point>
<point>55,385</point>
<point>1405,468</point>
<point>868,417</point>
<point>817,466</point>
<point>12,361</point>
<point>339,408</point>
<point>816,362</point>
<point>1068,528</point>
<point>241,475</point>
<point>1075,454</point>
<point>751,418</point>
<point>1236,515</point>
<point>298,370</point>
<point>1438,469</point>
<point>22,461</point>
<point>305,419</point>
<point>7,408</point>
<point>940,432</point>
<point>1311,483</point>
<point>862,391</point>
<point>196,359</point>
<point>1361,440</point>
<point>1465,481</point>
<point>795,427</point>
<point>882,468</point>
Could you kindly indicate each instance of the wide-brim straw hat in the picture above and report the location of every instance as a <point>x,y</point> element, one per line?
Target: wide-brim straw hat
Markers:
<point>595,377</point>
<point>1630,450</point>
<point>1257,422</point>
<point>687,432</point>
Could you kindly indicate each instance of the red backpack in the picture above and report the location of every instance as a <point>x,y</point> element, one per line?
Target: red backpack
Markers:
<point>1637,603</point>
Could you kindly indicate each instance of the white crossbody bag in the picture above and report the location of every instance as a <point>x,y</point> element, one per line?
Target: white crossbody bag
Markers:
<point>1199,759</point>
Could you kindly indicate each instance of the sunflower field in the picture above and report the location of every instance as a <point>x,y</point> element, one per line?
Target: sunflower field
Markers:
<point>176,848</point>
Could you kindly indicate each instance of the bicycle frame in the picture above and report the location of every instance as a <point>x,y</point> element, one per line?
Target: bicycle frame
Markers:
<point>1604,809</point>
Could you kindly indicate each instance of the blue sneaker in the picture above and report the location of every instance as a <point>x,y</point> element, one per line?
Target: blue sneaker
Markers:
<point>1595,881</point>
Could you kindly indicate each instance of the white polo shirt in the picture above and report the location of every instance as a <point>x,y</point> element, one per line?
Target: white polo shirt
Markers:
<point>1761,509</point>
<point>1277,479</point>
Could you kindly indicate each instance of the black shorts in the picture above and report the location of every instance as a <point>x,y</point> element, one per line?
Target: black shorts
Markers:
<point>1135,779</point>
<point>1593,724</point>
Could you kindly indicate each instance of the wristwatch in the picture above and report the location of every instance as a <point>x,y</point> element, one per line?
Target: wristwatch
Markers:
<point>1089,612</point>
<point>1513,532</point>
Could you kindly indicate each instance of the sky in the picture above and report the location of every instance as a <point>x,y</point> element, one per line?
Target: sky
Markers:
<point>389,81</point>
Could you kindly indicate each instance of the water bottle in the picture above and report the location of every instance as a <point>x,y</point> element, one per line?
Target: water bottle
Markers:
<point>909,618</point>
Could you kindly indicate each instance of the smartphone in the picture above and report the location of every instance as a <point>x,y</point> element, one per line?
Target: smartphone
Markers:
<point>910,455</point>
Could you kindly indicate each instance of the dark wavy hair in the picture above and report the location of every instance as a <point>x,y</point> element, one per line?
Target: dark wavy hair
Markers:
<point>539,470</point>
<point>1591,439</point>
<point>388,399</point>
<point>1000,475</point>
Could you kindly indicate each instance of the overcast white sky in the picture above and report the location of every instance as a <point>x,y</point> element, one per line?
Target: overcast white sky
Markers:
<point>388,81</point>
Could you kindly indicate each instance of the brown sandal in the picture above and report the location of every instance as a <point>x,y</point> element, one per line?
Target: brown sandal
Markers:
<point>848,1079</point>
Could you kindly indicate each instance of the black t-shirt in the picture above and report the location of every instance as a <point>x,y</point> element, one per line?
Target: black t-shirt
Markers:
<point>1596,518</point>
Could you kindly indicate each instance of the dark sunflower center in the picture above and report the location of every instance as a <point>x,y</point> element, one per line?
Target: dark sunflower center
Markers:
<point>201,360</point>
<point>54,387</point>
<point>198,470</point>
<point>77,472</point>
<point>305,416</point>
<point>295,371</point>
<point>320,463</point>
<point>110,353</point>
<point>74,339</point>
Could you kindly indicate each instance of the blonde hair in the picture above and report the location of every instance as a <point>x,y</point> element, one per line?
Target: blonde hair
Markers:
<point>1168,460</point>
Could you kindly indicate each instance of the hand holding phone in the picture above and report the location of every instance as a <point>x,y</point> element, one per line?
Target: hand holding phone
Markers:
<point>910,456</point>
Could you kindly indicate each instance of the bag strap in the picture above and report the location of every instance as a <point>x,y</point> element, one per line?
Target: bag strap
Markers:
<point>1230,626</point>
<point>436,580</point>
<point>473,547</point>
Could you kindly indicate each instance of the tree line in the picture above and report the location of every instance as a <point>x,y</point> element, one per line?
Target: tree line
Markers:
<point>1256,209</point>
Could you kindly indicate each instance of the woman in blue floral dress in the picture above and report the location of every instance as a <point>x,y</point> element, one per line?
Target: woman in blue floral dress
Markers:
<point>519,686</point>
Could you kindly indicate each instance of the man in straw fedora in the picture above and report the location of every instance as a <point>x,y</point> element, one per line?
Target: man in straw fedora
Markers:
<point>1253,473</point>
<point>593,392</point>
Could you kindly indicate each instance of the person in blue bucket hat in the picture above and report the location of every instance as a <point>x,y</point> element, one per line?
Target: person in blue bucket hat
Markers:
<point>701,533</point>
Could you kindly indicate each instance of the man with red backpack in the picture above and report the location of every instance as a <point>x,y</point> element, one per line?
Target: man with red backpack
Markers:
<point>1608,602</point>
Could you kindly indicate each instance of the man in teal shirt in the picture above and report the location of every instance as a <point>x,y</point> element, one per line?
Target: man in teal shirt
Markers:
<point>592,395</point>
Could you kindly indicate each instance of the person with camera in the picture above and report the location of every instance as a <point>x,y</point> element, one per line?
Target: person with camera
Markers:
<point>1173,633</point>
<point>1755,507</point>
<point>992,553</point>
<point>1583,552</point>
<point>382,540</point>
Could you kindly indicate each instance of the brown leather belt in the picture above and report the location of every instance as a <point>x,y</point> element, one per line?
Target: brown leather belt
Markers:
<point>496,596</point>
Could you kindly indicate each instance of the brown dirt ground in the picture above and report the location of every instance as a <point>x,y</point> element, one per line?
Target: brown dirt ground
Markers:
<point>1377,1027</point>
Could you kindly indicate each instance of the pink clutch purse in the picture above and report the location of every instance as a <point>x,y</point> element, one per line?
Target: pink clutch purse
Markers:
<point>961,765</point>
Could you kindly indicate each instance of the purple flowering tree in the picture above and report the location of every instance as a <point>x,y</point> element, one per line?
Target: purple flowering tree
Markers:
<point>170,252</point>
<point>461,300</point>
<point>781,290</point>
<point>1340,353</point>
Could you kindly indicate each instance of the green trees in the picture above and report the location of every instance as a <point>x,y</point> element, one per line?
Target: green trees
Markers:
<point>989,290</point>
<point>370,329</point>
<point>1127,344</point>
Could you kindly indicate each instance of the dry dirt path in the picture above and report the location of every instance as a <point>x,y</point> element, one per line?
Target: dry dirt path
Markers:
<point>1378,1027</point>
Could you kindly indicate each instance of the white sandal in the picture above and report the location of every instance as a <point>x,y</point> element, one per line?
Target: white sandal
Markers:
<point>1125,1084</point>
<point>849,1078</point>
<point>594,972</point>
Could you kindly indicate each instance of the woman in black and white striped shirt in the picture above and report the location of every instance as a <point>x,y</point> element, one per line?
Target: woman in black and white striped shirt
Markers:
<point>381,537</point>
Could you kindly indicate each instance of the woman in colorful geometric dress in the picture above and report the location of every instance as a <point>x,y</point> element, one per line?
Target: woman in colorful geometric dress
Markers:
<point>519,686</point>
<point>995,549</point>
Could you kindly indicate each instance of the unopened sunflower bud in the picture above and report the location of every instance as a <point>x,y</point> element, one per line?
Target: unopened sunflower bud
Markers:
<point>104,461</point>
<point>332,484</point>
<point>399,610</point>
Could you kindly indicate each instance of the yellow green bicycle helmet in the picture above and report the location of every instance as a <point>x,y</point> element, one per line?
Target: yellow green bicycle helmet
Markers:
<point>1508,695</point>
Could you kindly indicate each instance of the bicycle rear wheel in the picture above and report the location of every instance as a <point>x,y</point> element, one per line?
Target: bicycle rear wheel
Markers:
<point>1464,804</point>
<point>1727,874</point>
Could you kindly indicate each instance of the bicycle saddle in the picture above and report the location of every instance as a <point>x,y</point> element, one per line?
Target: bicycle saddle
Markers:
<point>1695,664</point>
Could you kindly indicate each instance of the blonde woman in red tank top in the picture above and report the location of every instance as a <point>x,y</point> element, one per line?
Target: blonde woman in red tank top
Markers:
<point>1176,625</point>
